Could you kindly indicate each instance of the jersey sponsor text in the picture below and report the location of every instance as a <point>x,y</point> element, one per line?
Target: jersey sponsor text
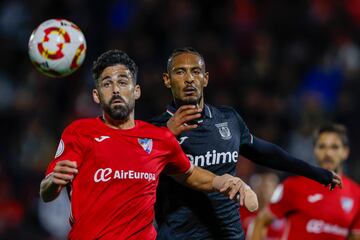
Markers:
<point>106,174</point>
<point>213,158</point>
<point>319,226</point>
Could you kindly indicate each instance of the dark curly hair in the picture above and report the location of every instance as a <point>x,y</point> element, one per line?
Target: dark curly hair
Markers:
<point>112,58</point>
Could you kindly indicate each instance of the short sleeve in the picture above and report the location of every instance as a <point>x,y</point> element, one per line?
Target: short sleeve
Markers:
<point>282,200</point>
<point>245,135</point>
<point>69,148</point>
<point>177,162</point>
<point>355,226</point>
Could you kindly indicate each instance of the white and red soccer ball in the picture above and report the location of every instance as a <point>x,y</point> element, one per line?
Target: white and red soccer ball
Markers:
<point>57,47</point>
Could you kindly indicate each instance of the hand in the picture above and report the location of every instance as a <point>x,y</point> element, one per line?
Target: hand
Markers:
<point>179,122</point>
<point>336,180</point>
<point>234,186</point>
<point>64,172</point>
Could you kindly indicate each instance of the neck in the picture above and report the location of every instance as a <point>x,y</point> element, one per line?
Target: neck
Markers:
<point>119,124</point>
<point>179,103</point>
<point>339,170</point>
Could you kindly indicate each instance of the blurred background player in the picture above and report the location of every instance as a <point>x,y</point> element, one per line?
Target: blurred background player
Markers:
<point>264,185</point>
<point>213,138</point>
<point>311,211</point>
<point>110,164</point>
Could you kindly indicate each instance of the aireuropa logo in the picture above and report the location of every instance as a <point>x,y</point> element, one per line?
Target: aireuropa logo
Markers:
<point>317,226</point>
<point>106,174</point>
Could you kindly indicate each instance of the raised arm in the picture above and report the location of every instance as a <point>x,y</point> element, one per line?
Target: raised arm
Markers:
<point>260,225</point>
<point>52,184</point>
<point>272,156</point>
<point>203,180</point>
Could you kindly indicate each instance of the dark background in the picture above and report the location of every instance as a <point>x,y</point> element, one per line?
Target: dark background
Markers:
<point>286,66</point>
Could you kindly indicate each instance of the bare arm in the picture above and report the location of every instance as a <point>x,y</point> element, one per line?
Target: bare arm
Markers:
<point>52,184</point>
<point>203,180</point>
<point>261,223</point>
<point>354,236</point>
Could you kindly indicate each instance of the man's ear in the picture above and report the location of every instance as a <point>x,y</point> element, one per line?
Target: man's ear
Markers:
<point>96,96</point>
<point>206,79</point>
<point>346,153</point>
<point>137,92</point>
<point>166,79</point>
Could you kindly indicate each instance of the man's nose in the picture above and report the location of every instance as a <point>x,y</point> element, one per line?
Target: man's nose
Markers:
<point>189,78</point>
<point>116,89</point>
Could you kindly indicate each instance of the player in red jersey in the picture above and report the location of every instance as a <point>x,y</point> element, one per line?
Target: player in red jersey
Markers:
<point>111,164</point>
<point>312,211</point>
<point>264,185</point>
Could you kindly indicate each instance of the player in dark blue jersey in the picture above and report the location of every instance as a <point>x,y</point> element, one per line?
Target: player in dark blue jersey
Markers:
<point>212,137</point>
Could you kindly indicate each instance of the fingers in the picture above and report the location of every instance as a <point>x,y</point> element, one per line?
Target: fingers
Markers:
<point>180,121</point>
<point>64,172</point>
<point>251,201</point>
<point>336,181</point>
<point>189,117</point>
<point>62,179</point>
<point>234,186</point>
<point>67,163</point>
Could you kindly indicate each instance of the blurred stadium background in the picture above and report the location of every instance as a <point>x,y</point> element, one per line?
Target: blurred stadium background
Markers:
<point>286,66</point>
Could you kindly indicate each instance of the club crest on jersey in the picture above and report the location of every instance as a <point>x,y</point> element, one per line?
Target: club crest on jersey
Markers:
<point>60,149</point>
<point>224,130</point>
<point>347,204</point>
<point>146,144</point>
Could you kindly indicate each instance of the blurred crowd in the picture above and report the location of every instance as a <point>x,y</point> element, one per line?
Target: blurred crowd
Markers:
<point>286,66</point>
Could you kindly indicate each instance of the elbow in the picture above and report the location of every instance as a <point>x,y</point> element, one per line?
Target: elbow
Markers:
<point>45,197</point>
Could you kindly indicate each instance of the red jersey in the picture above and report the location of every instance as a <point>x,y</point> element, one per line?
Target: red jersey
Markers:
<point>113,194</point>
<point>314,212</point>
<point>275,230</point>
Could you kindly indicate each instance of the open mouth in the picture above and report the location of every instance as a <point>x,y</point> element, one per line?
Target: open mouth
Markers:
<point>117,101</point>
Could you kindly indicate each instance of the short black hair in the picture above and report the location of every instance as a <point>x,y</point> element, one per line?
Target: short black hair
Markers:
<point>179,51</point>
<point>338,129</point>
<point>112,58</point>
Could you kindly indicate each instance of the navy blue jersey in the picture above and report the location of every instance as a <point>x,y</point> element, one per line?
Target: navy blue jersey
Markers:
<point>183,213</point>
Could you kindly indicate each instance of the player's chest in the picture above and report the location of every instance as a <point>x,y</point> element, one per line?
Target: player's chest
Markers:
<point>220,135</point>
<point>333,207</point>
<point>122,152</point>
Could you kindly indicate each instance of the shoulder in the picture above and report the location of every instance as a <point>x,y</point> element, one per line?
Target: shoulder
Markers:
<point>224,111</point>
<point>154,130</point>
<point>297,183</point>
<point>81,124</point>
<point>160,120</point>
<point>286,189</point>
<point>293,180</point>
<point>351,183</point>
<point>221,110</point>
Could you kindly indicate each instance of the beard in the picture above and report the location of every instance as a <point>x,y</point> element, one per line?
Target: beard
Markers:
<point>118,112</point>
<point>187,101</point>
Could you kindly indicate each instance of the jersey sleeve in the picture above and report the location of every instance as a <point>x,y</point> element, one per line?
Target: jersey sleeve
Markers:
<point>69,148</point>
<point>282,200</point>
<point>177,161</point>
<point>355,226</point>
<point>245,135</point>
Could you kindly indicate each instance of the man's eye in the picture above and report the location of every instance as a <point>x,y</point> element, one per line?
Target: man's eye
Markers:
<point>106,84</point>
<point>179,72</point>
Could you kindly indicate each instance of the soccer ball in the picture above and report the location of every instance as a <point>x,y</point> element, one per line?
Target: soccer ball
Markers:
<point>57,47</point>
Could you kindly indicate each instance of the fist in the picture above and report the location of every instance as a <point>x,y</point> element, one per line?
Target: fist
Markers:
<point>64,172</point>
